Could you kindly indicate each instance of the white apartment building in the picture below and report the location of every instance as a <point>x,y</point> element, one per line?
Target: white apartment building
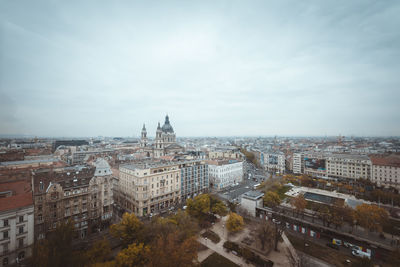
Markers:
<point>16,222</point>
<point>298,163</point>
<point>150,187</point>
<point>275,162</point>
<point>386,170</point>
<point>348,166</point>
<point>224,173</point>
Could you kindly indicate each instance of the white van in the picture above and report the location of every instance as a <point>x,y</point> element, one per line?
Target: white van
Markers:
<point>361,254</point>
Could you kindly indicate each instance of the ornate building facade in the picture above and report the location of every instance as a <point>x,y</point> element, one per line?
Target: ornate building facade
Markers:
<point>82,194</point>
<point>164,143</point>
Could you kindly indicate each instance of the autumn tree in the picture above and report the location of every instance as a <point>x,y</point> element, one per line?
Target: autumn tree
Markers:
<point>99,252</point>
<point>171,252</point>
<point>307,181</point>
<point>250,157</point>
<point>371,217</point>
<point>134,255</point>
<point>324,214</point>
<point>234,223</point>
<point>220,209</point>
<point>299,203</point>
<point>185,225</point>
<point>128,230</point>
<point>199,206</point>
<point>266,234</point>
<point>271,199</point>
<point>57,249</point>
<point>348,215</point>
<point>204,205</point>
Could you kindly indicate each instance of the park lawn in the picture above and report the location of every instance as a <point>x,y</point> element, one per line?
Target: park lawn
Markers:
<point>321,252</point>
<point>216,260</point>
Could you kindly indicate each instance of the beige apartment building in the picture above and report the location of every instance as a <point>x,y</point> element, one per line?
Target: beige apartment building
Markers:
<point>386,170</point>
<point>149,187</point>
<point>348,166</point>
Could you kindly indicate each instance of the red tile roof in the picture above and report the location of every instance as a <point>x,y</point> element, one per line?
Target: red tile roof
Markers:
<point>21,195</point>
<point>386,160</point>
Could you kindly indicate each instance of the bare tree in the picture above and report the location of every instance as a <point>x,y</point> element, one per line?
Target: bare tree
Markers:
<point>266,234</point>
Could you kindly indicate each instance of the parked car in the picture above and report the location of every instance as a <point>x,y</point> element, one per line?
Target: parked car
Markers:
<point>360,253</point>
<point>348,245</point>
<point>337,241</point>
<point>333,246</point>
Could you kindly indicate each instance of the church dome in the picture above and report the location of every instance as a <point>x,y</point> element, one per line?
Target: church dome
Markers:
<point>167,128</point>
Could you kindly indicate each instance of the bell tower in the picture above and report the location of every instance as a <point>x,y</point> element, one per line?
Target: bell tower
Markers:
<point>159,145</point>
<point>143,140</point>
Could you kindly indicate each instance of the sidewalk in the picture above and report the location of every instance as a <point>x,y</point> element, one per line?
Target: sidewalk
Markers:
<point>220,250</point>
<point>219,229</point>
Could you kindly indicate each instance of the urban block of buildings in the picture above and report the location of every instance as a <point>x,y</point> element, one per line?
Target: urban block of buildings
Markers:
<point>16,222</point>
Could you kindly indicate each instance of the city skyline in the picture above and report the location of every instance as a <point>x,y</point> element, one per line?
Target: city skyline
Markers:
<point>230,68</point>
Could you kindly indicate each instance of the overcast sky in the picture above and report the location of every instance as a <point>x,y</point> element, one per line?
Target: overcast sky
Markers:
<point>218,68</point>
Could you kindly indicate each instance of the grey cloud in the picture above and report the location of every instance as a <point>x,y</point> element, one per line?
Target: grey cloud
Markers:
<point>218,68</point>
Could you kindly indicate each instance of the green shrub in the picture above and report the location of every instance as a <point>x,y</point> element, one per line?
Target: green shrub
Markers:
<point>212,236</point>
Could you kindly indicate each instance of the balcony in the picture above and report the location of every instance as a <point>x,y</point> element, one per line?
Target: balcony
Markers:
<point>23,233</point>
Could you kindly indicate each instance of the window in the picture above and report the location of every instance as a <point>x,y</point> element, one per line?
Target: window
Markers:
<point>5,223</point>
<point>21,230</point>
<point>21,243</point>
<point>5,234</point>
<point>5,261</point>
<point>21,219</point>
<point>40,207</point>
<point>41,186</point>
<point>21,255</point>
<point>5,247</point>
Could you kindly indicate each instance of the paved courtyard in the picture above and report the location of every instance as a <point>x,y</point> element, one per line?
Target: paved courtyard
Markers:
<point>280,258</point>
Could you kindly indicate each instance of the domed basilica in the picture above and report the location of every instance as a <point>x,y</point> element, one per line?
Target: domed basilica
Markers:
<point>164,143</point>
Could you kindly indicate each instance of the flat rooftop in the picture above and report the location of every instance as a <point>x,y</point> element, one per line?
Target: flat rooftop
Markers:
<point>349,156</point>
<point>253,195</point>
<point>149,165</point>
<point>324,196</point>
<point>222,162</point>
<point>32,161</point>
